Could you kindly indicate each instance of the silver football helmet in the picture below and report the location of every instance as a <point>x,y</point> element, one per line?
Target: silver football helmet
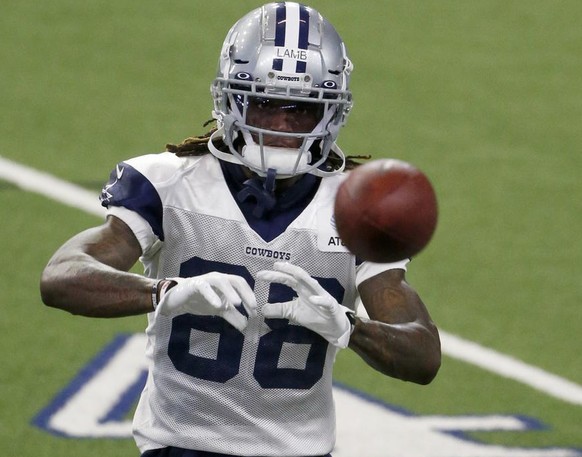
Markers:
<point>282,52</point>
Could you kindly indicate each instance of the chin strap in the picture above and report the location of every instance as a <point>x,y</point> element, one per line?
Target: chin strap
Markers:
<point>262,190</point>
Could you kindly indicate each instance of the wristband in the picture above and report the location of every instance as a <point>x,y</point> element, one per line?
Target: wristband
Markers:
<point>159,289</point>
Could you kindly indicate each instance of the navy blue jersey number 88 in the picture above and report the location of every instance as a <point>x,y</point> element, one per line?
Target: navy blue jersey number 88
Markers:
<point>230,341</point>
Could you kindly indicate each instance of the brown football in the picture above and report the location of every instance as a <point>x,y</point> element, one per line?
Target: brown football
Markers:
<point>386,210</point>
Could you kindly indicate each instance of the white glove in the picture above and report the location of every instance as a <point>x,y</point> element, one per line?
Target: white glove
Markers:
<point>214,294</point>
<point>313,308</point>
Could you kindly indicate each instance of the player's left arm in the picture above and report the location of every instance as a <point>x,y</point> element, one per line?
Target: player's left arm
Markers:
<point>399,339</point>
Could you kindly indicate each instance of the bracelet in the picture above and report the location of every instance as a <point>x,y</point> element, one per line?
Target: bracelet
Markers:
<point>159,289</point>
<point>352,318</point>
<point>155,294</point>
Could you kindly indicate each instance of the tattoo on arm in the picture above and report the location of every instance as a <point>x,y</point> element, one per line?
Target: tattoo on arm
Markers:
<point>399,339</point>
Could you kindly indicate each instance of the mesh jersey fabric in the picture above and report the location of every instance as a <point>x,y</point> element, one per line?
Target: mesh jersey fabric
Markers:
<point>266,391</point>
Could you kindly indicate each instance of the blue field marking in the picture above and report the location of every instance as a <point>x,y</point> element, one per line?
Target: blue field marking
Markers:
<point>89,409</point>
<point>67,414</point>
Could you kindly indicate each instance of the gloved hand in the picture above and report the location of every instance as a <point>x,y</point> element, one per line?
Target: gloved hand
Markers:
<point>313,308</point>
<point>214,294</point>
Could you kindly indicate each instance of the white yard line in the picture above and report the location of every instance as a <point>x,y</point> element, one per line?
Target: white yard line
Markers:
<point>42,183</point>
<point>511,368</point>
<point>69,194</point>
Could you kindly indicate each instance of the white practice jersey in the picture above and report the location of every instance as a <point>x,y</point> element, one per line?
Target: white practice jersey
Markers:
<point>265,391</point>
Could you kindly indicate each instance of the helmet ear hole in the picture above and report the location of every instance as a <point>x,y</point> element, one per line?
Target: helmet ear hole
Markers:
<point>243,75</point>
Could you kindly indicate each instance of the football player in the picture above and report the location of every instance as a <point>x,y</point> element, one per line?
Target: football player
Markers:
<point>248,293</point>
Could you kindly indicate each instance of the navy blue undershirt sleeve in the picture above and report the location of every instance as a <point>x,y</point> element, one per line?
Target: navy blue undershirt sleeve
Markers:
<point>128,188</point>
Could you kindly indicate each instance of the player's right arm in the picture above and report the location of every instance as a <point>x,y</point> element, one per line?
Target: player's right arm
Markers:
<point>89,274</point>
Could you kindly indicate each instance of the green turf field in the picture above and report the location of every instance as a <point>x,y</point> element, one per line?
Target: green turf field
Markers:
<point>484,95</point>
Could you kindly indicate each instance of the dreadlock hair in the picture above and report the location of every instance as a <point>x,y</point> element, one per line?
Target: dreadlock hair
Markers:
<point>194,145</point>
<point>198,145</point>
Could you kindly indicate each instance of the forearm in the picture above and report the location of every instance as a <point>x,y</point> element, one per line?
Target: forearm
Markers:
<point>84,286</point>
<point>410,351</point>
<point>89,275</point>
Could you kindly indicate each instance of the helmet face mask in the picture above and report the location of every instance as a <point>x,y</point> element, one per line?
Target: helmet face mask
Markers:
<point>287,57</point>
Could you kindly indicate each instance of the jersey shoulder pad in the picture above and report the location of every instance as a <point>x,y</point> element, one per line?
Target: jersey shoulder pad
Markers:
<point>159,168</point>
<point>136,183</point>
